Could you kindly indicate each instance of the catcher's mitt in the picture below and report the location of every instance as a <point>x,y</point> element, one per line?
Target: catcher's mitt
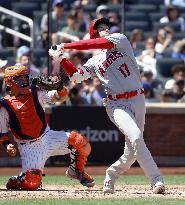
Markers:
<point>54,82</point>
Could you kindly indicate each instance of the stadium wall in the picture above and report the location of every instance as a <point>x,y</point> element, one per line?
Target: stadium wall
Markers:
<point>164,133</point>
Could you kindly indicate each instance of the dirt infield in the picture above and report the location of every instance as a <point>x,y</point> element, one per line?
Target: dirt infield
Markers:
<point>78,192</point>
<point>93,170</point>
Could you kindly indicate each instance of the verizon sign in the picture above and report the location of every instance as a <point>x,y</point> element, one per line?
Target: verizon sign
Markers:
<point>106,140</point>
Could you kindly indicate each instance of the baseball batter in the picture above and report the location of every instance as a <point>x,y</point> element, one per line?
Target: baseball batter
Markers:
<point>22,112</point>
<point>117,69</point>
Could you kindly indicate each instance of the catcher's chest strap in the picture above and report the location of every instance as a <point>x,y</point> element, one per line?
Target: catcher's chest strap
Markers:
<point>39,109</point>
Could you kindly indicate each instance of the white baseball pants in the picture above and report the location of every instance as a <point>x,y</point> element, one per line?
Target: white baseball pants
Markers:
<point>129,117</point>
<point>35,154</point>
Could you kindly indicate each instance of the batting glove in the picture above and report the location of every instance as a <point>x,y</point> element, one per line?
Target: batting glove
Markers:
<point>56,52</point>
<point>58,47</point>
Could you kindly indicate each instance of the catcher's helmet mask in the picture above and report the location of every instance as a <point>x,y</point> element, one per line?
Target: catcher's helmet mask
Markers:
<point>22,81</point>
<point>17,78</point>
<point>101,21</point>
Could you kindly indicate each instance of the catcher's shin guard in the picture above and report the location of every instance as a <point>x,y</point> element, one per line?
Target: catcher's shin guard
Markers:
<point>31,180</point>
<point>80,150</point>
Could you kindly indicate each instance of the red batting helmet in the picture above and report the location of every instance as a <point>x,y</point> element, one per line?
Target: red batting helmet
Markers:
<point>94,25</point>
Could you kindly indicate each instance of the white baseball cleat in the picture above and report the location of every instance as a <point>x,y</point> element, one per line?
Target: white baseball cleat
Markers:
<point>159,188</point>
<point>108,187</point>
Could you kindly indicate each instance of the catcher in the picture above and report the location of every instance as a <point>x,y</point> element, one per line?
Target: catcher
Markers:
<point>22,112</point>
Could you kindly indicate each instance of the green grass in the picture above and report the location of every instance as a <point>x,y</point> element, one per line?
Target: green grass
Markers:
<point>151,201</point>
<point>135,179</point>
<point>62,180</point>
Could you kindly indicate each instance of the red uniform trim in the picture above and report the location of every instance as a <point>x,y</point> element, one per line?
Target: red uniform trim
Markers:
<point>99,43</point>
<point>126,95</point>
<point>68,67</point>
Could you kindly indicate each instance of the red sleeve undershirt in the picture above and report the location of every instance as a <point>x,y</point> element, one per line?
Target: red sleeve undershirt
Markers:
<point>68,67</point>
<point>98,43</point>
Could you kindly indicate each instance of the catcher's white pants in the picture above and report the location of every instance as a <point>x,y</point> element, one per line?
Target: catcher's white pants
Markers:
<point>129,117</point>
<point>51,143</point>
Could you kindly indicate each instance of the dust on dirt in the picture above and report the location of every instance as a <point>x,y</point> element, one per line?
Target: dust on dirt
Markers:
<point>79,192</point>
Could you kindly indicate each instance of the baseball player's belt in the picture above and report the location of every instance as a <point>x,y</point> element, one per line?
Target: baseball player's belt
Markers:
<point>31,141</point>
<point>126,95</point>
<point>34,140</point>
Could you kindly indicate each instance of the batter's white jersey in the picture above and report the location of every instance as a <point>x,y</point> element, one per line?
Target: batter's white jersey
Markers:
<point>116,68</point>
<point>118,71</point>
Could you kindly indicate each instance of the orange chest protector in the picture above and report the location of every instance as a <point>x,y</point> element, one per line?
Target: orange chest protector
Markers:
<point>27,117</point>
